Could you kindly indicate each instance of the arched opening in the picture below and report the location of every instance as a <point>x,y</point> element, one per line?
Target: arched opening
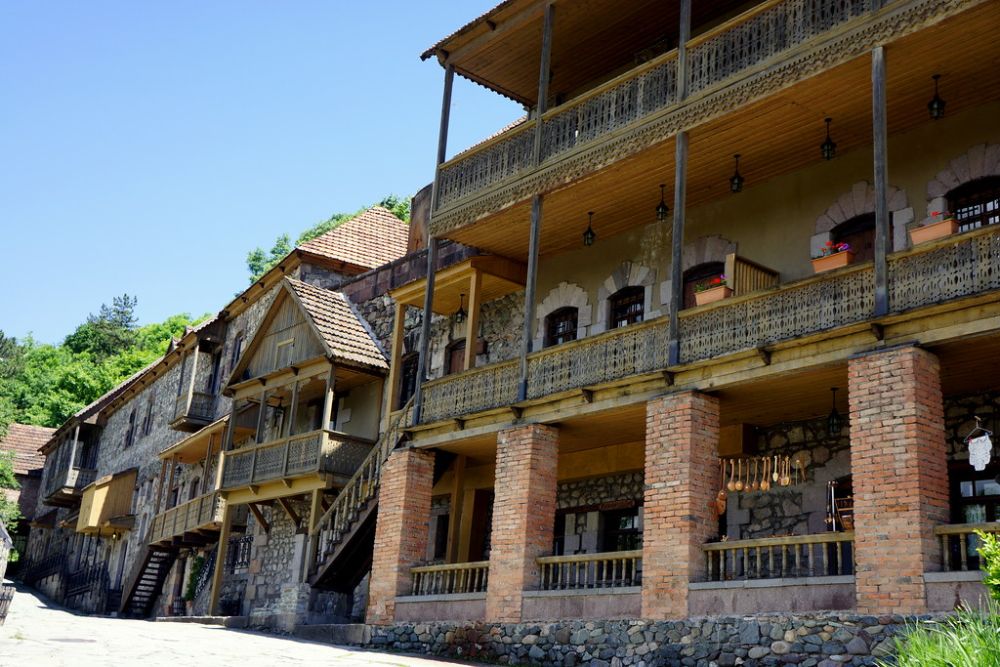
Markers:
<point>859,233</point>
<point>561,325</point>
<point>697,275</point>
<point>626,306</point>
<point>976,203</point>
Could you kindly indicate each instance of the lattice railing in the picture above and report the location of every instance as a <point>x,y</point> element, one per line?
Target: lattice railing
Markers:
<point>960,545</point>
<point>295,455</point>
<point>187,517</point>
<point>620,353</point>
<point>488,164</point>
<point>477,389</point>
<point>614,569</point>
<point>450,579</point>
<point>823,554</point>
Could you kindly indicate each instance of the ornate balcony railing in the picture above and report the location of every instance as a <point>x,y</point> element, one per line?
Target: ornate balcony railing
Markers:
<point>316,451</point>
<point>761,35</point>
<point>477,389</point>
<point>818,555</point>
<point>614,569</point>
<point>202,512</point>
<point>450,578</point>
<point>201,407</point>
<point>960,545</point>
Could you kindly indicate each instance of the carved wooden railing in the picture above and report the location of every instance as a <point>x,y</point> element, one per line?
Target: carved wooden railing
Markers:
<point>819,555</point>
<point>473,390</point>
<point>612,355</point>
<point>201,512</point>
<point>202,405</point>
<point>450,578</point>
<point>615,569</point>
<point>761,35</point>
<point>959,544</point>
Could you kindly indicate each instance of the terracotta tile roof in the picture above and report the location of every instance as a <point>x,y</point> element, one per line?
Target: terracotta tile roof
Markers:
<point>25,441</point>
<point>345,332</point>
<point>374,238</point>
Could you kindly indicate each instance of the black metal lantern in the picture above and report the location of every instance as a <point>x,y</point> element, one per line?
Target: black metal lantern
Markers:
<point>736,181</point>
<point>662,210</point>
<point>828,148</point>
<point>834,423</point>
<point>460,314</point>
<point>936,106</point>
<point>590,235</point>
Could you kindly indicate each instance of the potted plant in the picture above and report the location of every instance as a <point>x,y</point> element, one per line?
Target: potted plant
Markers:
<point>833,256</point>
<point>945,225</point>
<point>711,291</point>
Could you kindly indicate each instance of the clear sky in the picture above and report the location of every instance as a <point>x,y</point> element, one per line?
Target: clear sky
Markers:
<point>145,147</point>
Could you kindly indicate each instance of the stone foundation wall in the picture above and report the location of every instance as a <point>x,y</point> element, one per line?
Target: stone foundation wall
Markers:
<point>959,419</point>
<point>597,490</point>
<point>806,640</point>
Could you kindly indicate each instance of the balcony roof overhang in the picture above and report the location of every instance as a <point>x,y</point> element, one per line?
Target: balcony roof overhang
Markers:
<point>193,448</point>
<point>500,277</point>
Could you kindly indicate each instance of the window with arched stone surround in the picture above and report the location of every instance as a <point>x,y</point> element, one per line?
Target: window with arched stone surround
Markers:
<point>626,306</point>
<point>976,203</point>
<point>859,233</point>
<point>563,295</point>
<point>561,325</point>
<point>697,275</point>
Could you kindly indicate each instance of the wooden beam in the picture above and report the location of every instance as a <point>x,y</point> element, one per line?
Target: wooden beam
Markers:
<point>173,469</point>
<point>519,20</point>
<point>764,354</point>
<point>159,488</point>
<point>529,294</point>
<point>878,331</point>
<point>194,378</point>
<point>677,250</point>
<point>472,319</point>
<point>220,561</point>
<point>395,362</point>
<point>290,511</point>
<point>457,500</point>
<point>261,413</point>
<point>329,397</point>
<point>881,181</point>
<point>260,517</point>
<point>544,72</point>
<point>293,409</point>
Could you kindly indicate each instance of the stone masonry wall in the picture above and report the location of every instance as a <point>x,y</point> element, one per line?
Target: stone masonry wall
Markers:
<point>597,490</point>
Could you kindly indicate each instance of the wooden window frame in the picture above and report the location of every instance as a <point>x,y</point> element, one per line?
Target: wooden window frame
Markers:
<point>621,301</point>
<point>982,193</point>
<point>566,314</point>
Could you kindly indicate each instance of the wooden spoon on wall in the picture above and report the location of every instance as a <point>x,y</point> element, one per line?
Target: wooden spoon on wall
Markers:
<point>732,475</point>
<point>765,482</point>
<point>739,475</point>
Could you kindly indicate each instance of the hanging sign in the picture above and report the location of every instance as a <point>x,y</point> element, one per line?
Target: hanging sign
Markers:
<point>980,449</point>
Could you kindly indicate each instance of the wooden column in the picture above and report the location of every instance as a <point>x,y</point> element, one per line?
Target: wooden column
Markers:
<point>208,462</point>
<point>472,321</point>
<point>261,416</point>
<point>194,376</point>
<point>74,447</point>
<point>457,500</point>
<point>680,195</point>
<point>881,181</point>
<point>315,512</point>
<point>328,397</point>
<point>293,409</point>
<point>227,442</point>
<point>220,561</point>
<point>432,245</point>
<point>159,487</point>
<point>544,73</point>
<point>395,362</point>
<point>529,295</point>
<point>173,470</point>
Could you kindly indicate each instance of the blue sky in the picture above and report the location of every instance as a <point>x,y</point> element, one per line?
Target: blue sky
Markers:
<point>145,147</point>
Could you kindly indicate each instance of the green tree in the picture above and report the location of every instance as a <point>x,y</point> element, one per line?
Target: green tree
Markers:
<point>11,363</point>
<point>9,511</point>
<point>260,262</point>
<point>109,332</point>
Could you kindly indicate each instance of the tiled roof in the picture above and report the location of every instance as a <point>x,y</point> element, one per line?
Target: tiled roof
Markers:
<point>345,333</point>
<point>25,441</point>
<point>372,239</point>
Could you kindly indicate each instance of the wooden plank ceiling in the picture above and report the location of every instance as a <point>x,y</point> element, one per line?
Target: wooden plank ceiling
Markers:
<point>775,136</point>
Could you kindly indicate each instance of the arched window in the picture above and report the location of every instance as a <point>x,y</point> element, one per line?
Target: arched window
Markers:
<point>697,275</point>
<point>976,203</point>
<point>408,378</point>
<point>560,326</point>
<point>859,233</point>
<point>455,359</point>
<point>626,306</point>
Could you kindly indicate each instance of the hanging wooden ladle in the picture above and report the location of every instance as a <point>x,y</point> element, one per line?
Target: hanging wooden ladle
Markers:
<point>755,486</point>
<point>739,475</point>
<point>765,482</point>
<point>732,476</point>
<point>774,470</point>
<point>786,478</point>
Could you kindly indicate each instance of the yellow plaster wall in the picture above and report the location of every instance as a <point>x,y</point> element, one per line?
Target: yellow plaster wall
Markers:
<point>364,403</point>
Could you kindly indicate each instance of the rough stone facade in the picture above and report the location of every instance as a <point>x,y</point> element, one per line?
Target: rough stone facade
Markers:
<point>598,490</point>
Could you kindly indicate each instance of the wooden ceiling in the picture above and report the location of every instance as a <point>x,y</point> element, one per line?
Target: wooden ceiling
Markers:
<point>775,136</point>
<point>592,40</point>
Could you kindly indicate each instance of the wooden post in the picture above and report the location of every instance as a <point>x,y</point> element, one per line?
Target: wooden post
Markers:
<point>331,385</point>
<point>227,442</point>
<point>220,561</point>
<point>159,488</point>
<point>219,469</point>
<point>395,362</point>
<point>293,410</point>
<point>680,195</point>
<point>457,500</point>
<point>472,321</point>
<point>529,294</point>
<point>173,470</point>
<point>194,375</point>
<point>74,447</point>
<point>544,72</point>
<point>261,416</point>
<point>208,463</point>
<point>432,245</point>
<point>315,512</point>
<point>881,181</point>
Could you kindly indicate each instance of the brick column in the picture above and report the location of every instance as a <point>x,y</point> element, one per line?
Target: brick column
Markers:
<point>900,476</point>
<point>401,530</point>
<point>682,436</point>
<point>524,509</point>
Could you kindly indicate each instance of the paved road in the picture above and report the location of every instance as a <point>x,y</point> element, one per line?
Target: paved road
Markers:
<point>40,634</point>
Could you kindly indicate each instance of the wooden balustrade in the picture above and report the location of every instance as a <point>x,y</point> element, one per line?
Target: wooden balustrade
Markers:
<point>201,512</point>
<point>450,578</point>
<point>820,555</point>
<point>960,545</point>
<point>470,391</point>
<point>614,569</point>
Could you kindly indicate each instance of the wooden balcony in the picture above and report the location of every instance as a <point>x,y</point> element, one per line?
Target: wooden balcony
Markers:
<point>642,107</point>
<point>64,486</point>
<point>825,305</point>
<point>193,410</point>
<point>307,455</point>
<point>199,516</point>
<point>106,505</point>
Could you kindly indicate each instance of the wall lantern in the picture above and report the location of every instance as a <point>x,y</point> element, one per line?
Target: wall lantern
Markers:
<point>662,210</point>
<point>828,148</point>
<point>736,182</point>
<point>834,423</point>
<point>460,313</point>
<point>936,106</point>
<point>590,235</point>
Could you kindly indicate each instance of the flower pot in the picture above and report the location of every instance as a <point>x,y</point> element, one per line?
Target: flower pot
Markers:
<point>712,295</point>
<point>933,231</point>
<point>834,261</point>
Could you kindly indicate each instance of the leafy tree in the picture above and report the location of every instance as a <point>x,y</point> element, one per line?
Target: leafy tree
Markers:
<point>109,332</point>
<point>11,363</point>
<point>9,511</point>
<point>260,262</point>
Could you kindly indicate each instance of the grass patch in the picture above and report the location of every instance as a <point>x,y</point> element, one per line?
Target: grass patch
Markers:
<point>971,638</point>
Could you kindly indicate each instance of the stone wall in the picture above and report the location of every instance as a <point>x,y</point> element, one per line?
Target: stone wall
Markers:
<point>959,420</point>
<point>806,640</point>
<point>597,490</point>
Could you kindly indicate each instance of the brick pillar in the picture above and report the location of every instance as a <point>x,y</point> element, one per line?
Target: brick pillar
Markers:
<point>900,476</point>
<point>401,530</point>
<point>524,509</point>
<point>682,436</point>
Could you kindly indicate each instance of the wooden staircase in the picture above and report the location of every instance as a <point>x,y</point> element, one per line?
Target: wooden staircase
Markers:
<point>145,581</point>
<point>344,536</point>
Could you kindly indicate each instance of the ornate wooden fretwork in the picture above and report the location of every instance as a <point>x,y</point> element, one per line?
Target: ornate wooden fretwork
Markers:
<point>478,389</point>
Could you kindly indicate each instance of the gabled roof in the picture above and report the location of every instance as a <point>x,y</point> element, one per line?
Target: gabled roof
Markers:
<point>25,441</point>
<point>372,239</point>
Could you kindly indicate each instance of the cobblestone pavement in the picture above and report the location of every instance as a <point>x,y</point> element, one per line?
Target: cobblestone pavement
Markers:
<point>37,634</point>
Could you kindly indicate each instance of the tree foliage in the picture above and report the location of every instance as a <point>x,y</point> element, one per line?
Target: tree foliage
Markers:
<point>9,511</point>
<point>260,261</point>
<point>110,332</point>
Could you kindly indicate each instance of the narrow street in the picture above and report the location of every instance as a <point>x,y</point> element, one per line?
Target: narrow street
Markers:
<point>38,634</point>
